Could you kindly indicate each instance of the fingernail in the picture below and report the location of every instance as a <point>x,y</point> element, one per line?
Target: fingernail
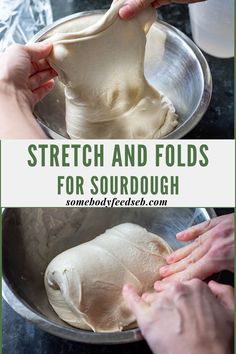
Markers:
<point>45,43</point>
<point>163,270</point>
<point>179,235</point>
<point>144,296</point>
<point>126,288</point>
<point>170,258</point>
<point>212,282</point>
<point>157,285</point>
<point>49,85</point>
<point>126,11</point>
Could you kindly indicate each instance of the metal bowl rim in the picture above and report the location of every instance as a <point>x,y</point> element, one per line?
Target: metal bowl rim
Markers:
<point>205,98</point>
<point>26,311</point>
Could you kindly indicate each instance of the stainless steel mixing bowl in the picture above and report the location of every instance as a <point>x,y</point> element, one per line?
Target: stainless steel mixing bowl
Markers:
<point>32,237</point>
<point>179,70</point>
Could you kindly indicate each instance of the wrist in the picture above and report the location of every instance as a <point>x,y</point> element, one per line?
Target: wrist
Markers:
<point>201,348</point>
<point>7,88</point>
<point>16,119</point>
<point>214,349</point>
<point>10,95</point>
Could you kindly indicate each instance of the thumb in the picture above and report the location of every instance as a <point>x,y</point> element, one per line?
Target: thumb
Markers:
<point>133,7</point>
<point>39,50</point>
<point>225,293</point>
<point>136,304</point>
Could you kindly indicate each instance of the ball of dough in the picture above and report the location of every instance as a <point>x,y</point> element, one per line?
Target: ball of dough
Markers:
<point>84,284</point>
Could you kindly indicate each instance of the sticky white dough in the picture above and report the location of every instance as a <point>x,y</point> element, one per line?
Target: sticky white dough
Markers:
<point>102,67</point>
<point>84,284</point>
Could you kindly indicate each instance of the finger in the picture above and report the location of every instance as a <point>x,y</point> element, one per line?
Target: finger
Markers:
<point>194,256</point>
<point>197,230</point>
<point>200,270</point>
<point>39,66</point>
<point>156,4</point>
<point>166,283</point>
<point>181,253</point>
<point>224,293</point>
<point>42,91</point>
<point>133,7</point>
<point>149,297</point>
<point>39,51</point>
<point>127,12</point>
<point>38,79</point>
<point>133,300</point>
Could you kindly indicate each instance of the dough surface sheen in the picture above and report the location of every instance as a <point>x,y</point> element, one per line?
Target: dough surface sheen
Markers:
<point>102,68</point>
<point>84,283</point>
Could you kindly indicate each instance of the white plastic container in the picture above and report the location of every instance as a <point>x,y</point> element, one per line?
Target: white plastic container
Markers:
<point>212,24</point>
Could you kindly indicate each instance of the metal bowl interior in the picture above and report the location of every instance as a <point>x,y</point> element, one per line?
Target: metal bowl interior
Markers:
<point>173,65</point>
<point>32,237</point>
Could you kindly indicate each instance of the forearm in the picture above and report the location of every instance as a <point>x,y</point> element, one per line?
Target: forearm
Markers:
<point>16,119</point>
<point>214,349</point>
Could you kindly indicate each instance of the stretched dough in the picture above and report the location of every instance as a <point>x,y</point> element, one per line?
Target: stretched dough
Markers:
<point>102,67</point>
<point>84,283</point>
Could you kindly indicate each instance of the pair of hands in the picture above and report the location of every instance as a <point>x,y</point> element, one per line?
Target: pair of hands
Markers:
<point>133,7</point>
<point>211,251</point>
<point>189,317</point>
<point>25,81</point>
<point>30,78</point>
<point>197,317</point>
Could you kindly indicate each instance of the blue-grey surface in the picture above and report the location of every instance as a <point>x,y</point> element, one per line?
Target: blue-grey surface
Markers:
<point>21,337</point>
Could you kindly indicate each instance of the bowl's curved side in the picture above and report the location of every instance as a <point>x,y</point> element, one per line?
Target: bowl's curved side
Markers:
<point>205,98</point>
<point>22,308</point>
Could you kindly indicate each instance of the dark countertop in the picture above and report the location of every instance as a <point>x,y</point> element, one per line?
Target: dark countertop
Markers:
<point>19,336</point>
<point>22,337</point>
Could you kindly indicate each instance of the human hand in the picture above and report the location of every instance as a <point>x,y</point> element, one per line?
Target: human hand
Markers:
<point>225,293</point>
<point>185,318</point>
<point>25,72</point>
<point>133,7</point>
<point>212,251</point>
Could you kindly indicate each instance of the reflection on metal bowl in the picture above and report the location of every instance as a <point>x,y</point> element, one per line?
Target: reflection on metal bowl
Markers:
<point>173,65</point>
